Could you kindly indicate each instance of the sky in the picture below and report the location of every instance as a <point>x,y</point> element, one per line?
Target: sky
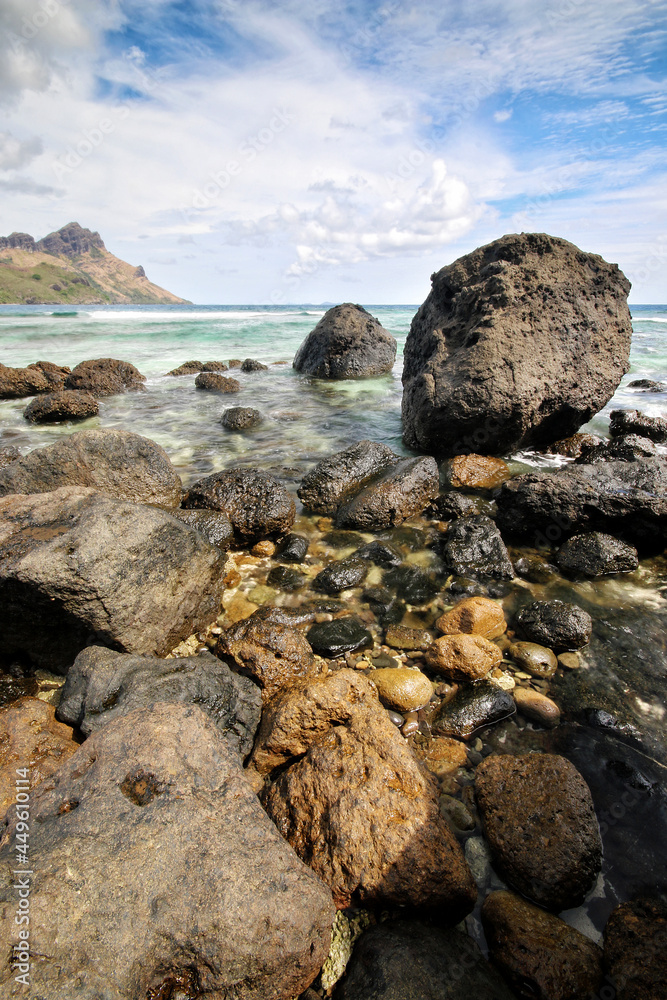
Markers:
<point>251,151</point>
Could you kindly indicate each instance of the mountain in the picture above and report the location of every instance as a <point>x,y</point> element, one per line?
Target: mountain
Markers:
<point>71,265</point>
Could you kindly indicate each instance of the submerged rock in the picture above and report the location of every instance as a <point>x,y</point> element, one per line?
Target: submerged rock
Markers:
<point>274,655</point>
<point>340,476</point>
<point>411,584</point>
<point>647,385</point>
<point>251,365</point>
<point>31,738</point>
<point>400,637</point>
<point>17,383</point>
<point>536,707</point>
<point>293,549</point>
<point>346,343</point>
<point>105,377</point>
<point>555,624</point>
<point>102,685</point>
<point>240,418</point>
<point>340,575</point>
<point>213,382</point>
<point>165,777</point>
<point>403,490</point>
<point>342,635</point>
<point>257,505</point>
<point>472,707</point>
<point>623,422</point>
<point>380,554</point>
<point>67,404</point>
<point>76,565</point>
<point>473,547</point>
<point>635,956</point>
<point>187,368</point>
<point>542,957</point>
<point>117,463</point>
<point>536,660</point>
<point>574,446</point>
<point>597,554</point>
<point>539,819</point>
<point>286,578</point>
<point>402,689</point>
<point>510,308</point>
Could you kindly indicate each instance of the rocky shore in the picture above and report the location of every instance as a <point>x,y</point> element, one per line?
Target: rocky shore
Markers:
<point>372,737</point>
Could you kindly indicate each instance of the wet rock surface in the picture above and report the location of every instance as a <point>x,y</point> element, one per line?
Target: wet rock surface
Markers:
<point>169,772</point>
<point>341,575</point>
<point>337,478</point>
<point>105,377</point>
<point>102,685</point>
<point>273,655</point>
<point>473,547</point>
<point>118,463</point>
<point>474,615</point>
<point>536,660</point>
<point>509,307</point>
<point>257,505</point>
<point>401,689</point>
<point>212,524</point>
<point>403,490</point>
<point>54,407</point>
<point>463,657</point>
<point>573,446</point>
<point>635,422</point>
<point>635,949</point>
<point>536,707</point>
<point>473,707</point>
<point>477,472</point>
<point>240,418</point>
<point>539,955</point>
<point>400,637</point>
<point>211,381</point>
<point>400,960</point>
<point>555,624</point>
<point>30,737</point>
<point>411,584</point>
<point>8,454</point>
<point>17,383</point>
<point>346,343</point>
<point>252,365</point>
<point>339,636</point>
<point>75,564</point>
<point>286,578</point>
<point>380,554</point>
<point>597,554</point>
<point>539,819</point>
<point>293,549</point>
<point>187,368</point>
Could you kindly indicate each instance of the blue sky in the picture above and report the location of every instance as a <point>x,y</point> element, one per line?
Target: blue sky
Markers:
<point>307,151</point>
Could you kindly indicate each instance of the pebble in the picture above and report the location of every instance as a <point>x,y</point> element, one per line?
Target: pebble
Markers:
<point>444,756</point>
<point>401,688</point>
<point>537,707</point>
<point>384,660</point>
<point>399,637</point>
<point>263,548</point>
<point>537,660</point>
<point>396,718</point>
<point>411,724</point>
<point>456,813</point>
<point>571,661</point>
<point>476,616</point>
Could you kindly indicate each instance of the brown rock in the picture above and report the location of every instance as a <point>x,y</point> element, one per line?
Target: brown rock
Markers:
<point>401,637</point>
<point>187,368</point>
<point>273,655</point>
<point>572,446</point>
<point>536,660</point>
<point>30,737</point>
<point>8,454</point>
<point>466,657</point>
<point>475,615</point>
<point>263,548</point>
<point>402,689</point>
<point>477,472</point>
<point>536,707</point>
<point>16,383</point>
<point>68,404</point>
<point>539,819</point>
<point>105,377</point>
<point>635,949</point>
<point>443,755</point>
<point>358,809</point>
<point>541,956</point>
<point>571,661</point>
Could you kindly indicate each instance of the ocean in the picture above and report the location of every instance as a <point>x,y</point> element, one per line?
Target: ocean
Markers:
<point>304,418</point>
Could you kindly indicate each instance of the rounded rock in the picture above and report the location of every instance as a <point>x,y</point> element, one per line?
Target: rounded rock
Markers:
<point>346,343</point>
<point>466,657</point>
<point>477,472</point>
<point>597,554</point>
<point>402,689</point>
<point>257,505</point>
<point>534,659</point>
<point>555,624</point>
<point>537,707</point>
<point>54,407</point>
<point>476,616</point>
<point>240,418</point>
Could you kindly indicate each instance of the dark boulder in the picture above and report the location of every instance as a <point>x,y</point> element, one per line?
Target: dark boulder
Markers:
<point>346,343</point>
<point>473,707</point>
<point>105,377</point>
<point>212,524</point>
<point>473,547</point>
<point>54,407</point>
<point>293,549</point>
<point>647,385</point>
<point>597,554</point>
<point>634,422</point>
<point>401,491</point>
<point>555,624</point>
<point>118,463</point>
<point>341,575</point>
<point>250,365</point>
<point>240,418</point>
<point>574,446</point>
<point>635,949</point>
<point>78,567</point>
<point>449,506</point>
<point>254,501</point>
<point>342,635</point>
<point>215,366</point>
<point>627,448</point>
<point>103,685</point>
<point>622,498</point>
<point>539,820</point>
<point>214,382</point>
<point>519,343</point>
<point>342,475</point>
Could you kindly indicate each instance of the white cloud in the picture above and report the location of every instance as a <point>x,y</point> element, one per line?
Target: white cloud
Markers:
<point>502,116</point>
<point>16,153</point>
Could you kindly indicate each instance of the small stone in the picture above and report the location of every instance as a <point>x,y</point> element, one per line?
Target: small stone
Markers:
<point>444,756</point>
<point>332,639</point>
<point>475,615</point>
<point>396,718</point>
<point>477,472</point>
<point>293,549</point>
<point>555,624</point>
<point>275,656</point>
<point>537,707</point>
<point>402,689</point>
<point>251,365</point>
<point>571,661</point>
<point>467,657</point>
<point>535,660</point>
<point>340,575</point>
<point>456,814</point>
<point>286,578</point>
<point>238,609</point>
<point>472,707</point>
<point>411,724</point>
<point>400,637</point>
<point>263,548</point>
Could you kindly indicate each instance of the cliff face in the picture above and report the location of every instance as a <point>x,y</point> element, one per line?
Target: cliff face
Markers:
<point>73,266</point>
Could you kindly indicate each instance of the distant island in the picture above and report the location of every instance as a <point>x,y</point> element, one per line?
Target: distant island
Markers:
<point>71,266</point>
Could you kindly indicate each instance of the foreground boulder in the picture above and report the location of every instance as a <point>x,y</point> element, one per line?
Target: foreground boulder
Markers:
<point>257,505</point>
<point>105,377</point>
<point>118,463</point>
<point>635,956</point>
<point>407,960</point>
<point>358,809</point>
<point>539,819</point>
<point>557,625</point>
<point>622,422</point>
<point>103,685</point>
<point>32,738</point>
<point>473,547</point>
<point>68,404</point>
<point>346,343</point>
<point>16,383</point>
<point>550,322</point>
<point>114,916</point>
<point>621,498</point>
<point>77,566</point>
<point>274,655</point>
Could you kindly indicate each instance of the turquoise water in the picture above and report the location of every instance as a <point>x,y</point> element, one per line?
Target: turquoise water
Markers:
<point>304,418</point>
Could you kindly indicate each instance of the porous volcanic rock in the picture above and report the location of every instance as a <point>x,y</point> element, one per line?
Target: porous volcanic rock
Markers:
<point>102,685</point>
<point>473,547</point>
<point>342,475</point>
<point>358,809</point>
<point>396,494</point>
<point>187,368</point>
<point>519,342</point>
<point>254,501</point>
<point>346,343</point>
<point>251,365</point>
<point>16,383</point>
<point>214,382</point>
<point>408,960</point>
<point>77,566</point>
<point>118,463</point>
<point>105,377</point>
<point>477,472</point>
<point>153,818</point>
<point>31,737</point>
<point>623,422</point>
<point>274,655</point>
<point>240,418</point>
<point>574,445</point>
<point>55,373</point>
<point>539,819</point>
<point>542,957</point>
<point>596,554</point>
<point>215,366</point>
<point>621,498</point>
<point>68,404</point>
<point>635,949</point>
<point>8,454</point>
<point>555,624</point>
<point>476,616</point>
<point>463,657</point>
<point>627,448</point>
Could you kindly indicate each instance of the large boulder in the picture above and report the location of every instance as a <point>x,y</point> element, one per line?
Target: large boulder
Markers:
<point>66,404</point>
<point>16,383</point>
<point>622,498</point>
<point>103,685</point>
<point>257,505</point>
<point>118,463</point>
<point>105,377</point>
<point>31,737</point>
<point>77,566</point>
<point>346,343</point>
<point>519,343</point>
<point>595,554</point>
<point>156,863</point>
